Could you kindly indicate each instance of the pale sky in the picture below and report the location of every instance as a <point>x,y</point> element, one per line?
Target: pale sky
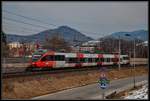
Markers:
<point>94,19</point>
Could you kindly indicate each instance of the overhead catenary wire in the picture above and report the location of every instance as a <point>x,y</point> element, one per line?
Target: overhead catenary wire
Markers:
<point>33,19</point>
<point>9,25</point>
<point>14,20</point>
<point>18,30</point>
<point>29,18</point>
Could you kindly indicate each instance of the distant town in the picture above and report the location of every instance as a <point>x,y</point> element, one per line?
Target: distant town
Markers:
<point>57,41</point>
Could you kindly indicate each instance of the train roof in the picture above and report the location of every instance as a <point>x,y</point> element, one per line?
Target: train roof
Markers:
<point>62,53</point>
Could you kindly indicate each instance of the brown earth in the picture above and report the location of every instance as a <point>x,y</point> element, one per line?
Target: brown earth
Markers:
<point>28,87</point>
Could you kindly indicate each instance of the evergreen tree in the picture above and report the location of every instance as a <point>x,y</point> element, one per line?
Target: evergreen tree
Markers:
<point>4,46</point>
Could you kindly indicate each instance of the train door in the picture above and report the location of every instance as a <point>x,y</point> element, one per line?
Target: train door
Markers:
<point>60,61</point>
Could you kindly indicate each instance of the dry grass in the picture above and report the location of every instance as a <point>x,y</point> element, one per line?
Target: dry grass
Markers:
<point>27,87</point>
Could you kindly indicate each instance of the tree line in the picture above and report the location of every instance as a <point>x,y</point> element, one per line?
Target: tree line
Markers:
<point>127,47</point>
<point>107,45</point>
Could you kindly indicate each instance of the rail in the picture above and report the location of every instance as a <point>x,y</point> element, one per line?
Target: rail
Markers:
<point>55,71</point>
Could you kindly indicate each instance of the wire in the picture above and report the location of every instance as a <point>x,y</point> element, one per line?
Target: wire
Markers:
<point>24,22</point>
<point>29,18</point>
<point>17,30</point>
<point>7,24</point>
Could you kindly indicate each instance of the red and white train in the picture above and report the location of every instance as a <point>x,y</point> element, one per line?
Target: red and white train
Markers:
<point>59,60</point>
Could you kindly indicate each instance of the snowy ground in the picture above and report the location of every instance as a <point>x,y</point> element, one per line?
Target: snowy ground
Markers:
<point>138,94</point>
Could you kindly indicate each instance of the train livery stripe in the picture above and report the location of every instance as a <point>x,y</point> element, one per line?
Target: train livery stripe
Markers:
<point>79,56</point>
<point>100,56</point>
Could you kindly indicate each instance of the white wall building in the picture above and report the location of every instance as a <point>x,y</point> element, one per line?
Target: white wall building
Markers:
<point>14,45</point>
<point>91,43</point>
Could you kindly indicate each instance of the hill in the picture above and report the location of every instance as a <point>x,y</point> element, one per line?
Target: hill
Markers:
<point>69,34</point>
<point>138,34</point>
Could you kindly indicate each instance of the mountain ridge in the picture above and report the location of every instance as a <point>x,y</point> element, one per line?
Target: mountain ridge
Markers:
<point>137,34</point>
<point>69,34</point>
<point>74,36</point>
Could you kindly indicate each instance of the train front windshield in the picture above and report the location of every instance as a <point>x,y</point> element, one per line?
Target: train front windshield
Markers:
<point>36,58</point>
<point>38,54</point>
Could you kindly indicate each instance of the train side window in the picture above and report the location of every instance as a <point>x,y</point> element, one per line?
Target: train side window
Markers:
<point>56,57</point>
<point>120,59</point>
<point>96,59</point>
<point>105,59</point>
<point>59,57</point>
<point>93,59</point>
<point>126,58</point>
<point>68,60</point>
<point>50,57</point>
<point>62,58</point>
<point>89,59</point>
<point>82,60</point>
<point>101,59</point>
<point>71,60</point>
<point>86,60</point>
<point>108,59</point>
<point>76,60</point>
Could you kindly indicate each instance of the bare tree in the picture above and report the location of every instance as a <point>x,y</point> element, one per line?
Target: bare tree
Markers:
<point>110,45</point>
<point>56,43</point>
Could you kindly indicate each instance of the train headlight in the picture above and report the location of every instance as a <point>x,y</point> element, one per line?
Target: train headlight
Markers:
<point>33,63</point>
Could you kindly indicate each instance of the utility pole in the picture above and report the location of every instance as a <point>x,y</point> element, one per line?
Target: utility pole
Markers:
<point>103,95</point>
<point>119,53</point>
<point>134,64</point>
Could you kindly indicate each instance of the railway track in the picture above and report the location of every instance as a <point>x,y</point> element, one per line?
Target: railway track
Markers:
<point>56,71</point>
<point>42,72</point>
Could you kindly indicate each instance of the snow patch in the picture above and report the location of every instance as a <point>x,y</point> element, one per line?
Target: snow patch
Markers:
<point>138,94</point>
